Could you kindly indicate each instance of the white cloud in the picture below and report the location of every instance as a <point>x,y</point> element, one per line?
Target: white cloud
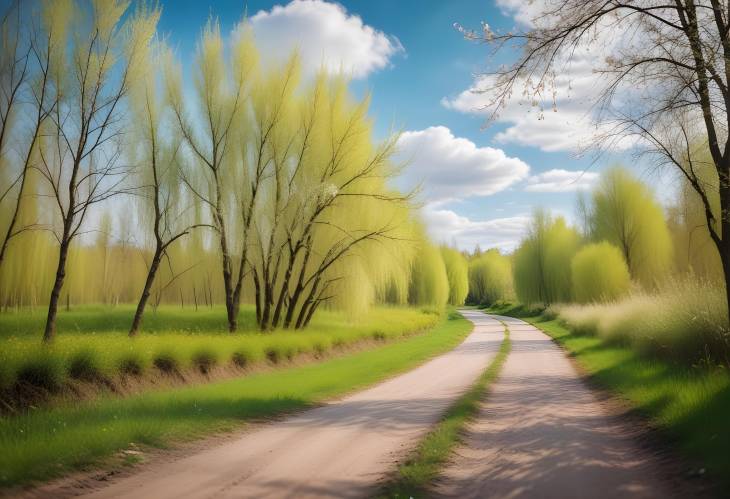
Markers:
<point>325,35</point>
<point>451,168</point>
<point>559,180</point>
<point>446,226</point>
<point>561,117</point>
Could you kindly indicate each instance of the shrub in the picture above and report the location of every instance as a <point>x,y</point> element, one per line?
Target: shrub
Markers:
<point>44,370</point>
<point>599,273</point>
<point>85,365</point>
<point>204,359</point>
<point>167,361</point>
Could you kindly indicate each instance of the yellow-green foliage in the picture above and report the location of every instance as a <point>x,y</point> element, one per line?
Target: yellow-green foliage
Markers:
<point>93,344</point>
<point>490,278</point>
<point>625,213</point>
<point>542,261</point>
<point>457,272</point>
<point>324,194</point>
<point>684,320</point>
<point>694,250</point>
<point>599,273</point>
<point>429,284</point>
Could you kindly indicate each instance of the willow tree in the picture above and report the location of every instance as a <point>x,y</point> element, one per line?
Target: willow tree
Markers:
<point>214,132</point>
<point>27,70</point>
<point>158,163</point>
<point>490,278</point>
<point>694,251</point>
<point>671,70</point>
<point>327,215</point>
<point>625,213</point>
<point>457,273</point>
<point>429,281</point>
<point>80,152</point>
<point>542,261</point>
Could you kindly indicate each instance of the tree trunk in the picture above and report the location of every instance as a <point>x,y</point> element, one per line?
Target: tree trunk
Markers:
<point>137,321</point>
<point>50,332</point>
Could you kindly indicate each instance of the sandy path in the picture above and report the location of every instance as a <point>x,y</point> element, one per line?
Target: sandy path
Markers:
<point>338,450</point>
<point>543,433</point>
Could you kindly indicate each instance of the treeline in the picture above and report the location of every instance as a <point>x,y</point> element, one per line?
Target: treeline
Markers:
<point>624,241</point>
<point>125,180</point>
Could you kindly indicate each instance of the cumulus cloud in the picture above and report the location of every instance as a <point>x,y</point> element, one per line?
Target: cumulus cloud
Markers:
<point>559,180</point>
<point>325,35</point>
<point>562,117</point>
<point>451,168</point>
<point>446,226</point>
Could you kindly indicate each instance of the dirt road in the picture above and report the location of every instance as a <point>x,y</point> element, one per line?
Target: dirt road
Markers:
<point>339,450</point>
<point>543,433</point>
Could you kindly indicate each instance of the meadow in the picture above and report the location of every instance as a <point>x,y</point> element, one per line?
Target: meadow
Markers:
<point>41,444</point>
<point>93,346</point>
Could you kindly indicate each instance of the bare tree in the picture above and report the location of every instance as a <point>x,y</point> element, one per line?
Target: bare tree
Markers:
<point>670,65</point>
<point>81,156</point>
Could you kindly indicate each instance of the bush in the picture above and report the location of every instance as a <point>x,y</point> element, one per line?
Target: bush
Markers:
<point>166,361</point>
<point>599,273</point>
<point>85,365</point>
<point>43,370</point>
<point>204,359</point>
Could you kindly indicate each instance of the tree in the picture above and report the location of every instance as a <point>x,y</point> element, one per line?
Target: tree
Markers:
<point>18,64</point>
<point>542,261</point>
<point>672,70</point>
<point>80,153</point>
<point>429,281</point>
<point>457,272</point>
<point>490,278</point>
<point>218,144</point>
<point>625,213</point>
<point>159,163</point>
<point>599,272</point>
<point>327,217</point>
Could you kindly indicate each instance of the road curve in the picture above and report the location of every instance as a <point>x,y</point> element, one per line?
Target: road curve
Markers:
<point>341,449</point>
<point>543,433</point>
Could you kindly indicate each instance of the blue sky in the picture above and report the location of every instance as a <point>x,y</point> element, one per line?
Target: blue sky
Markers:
<point>478,185</point>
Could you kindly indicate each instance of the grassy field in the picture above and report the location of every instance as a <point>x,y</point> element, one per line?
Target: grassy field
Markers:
<point>92,342</point>
<point>688,404</point>
<point>45,443</point>
<point>419,471</point>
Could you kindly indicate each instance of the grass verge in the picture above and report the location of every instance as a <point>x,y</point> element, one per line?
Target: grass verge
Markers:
<point>43,444</point>
<point>107,354</point>
<point>419,471</point>
<point>688,405</point>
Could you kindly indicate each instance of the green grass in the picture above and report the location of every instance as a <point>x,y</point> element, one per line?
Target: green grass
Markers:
<point>83,352</point>
<point>419,471</point>
<point>45,443</point>
<point>688,405</point>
